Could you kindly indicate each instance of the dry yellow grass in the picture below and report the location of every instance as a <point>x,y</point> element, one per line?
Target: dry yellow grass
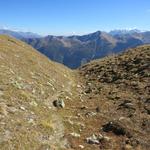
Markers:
<point>29,83</point>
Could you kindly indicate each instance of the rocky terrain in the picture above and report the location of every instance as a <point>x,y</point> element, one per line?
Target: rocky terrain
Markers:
<point>46,106</point>
<point>120,87</point>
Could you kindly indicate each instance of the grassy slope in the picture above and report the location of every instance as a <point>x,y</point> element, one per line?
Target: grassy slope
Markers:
<point>109,83</point>
<point>29,82</point>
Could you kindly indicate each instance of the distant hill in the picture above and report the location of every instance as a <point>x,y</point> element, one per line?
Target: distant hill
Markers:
<point>73,51</point>
<point>19,34</point>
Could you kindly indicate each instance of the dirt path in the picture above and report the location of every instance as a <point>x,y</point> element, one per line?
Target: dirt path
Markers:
<point>57,138</point>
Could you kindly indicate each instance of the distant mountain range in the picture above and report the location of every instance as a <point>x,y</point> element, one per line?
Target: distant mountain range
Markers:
<point>125,31</point>
<point>19,34</point>
<point>73,51</point>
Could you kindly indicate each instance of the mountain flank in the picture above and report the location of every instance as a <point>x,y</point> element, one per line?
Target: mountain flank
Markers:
<point>74,51</point>
<point>29,83</point>
<point>120,88</point>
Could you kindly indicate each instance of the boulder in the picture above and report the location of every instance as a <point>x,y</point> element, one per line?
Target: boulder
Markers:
<point>115,127</point>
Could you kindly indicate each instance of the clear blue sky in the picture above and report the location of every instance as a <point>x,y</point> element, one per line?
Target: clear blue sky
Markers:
<point>74,16</point>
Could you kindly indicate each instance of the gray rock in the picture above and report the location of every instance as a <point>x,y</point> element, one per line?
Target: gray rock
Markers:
<point>117,128</point>
<point>93,139</point>
<point>90,114</point>
<point>126,104</point>
<point>59,103</point>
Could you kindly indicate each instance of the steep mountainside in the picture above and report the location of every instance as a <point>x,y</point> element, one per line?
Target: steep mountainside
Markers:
<point>120,88</point>
<point>73,51</point>
<point>29,83</point>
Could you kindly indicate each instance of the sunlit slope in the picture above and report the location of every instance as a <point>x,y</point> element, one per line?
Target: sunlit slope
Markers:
<point>29,82</point>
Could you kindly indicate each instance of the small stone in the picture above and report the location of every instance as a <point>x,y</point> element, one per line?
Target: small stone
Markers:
<point>33,91</point>
<point>67,97</point>
<point>101,138</point>
<point>49,84</point>
<point>42,92</point>
<point>78,86</point>
<point>106,138</point>
<point>93,139</point>
<point>90,114</point>
<point>128,147</point>
<point>81,146</point>
<point>33,103</point>
<point>12,110</point>
<point>78,115</point>
<point>126,104</point>
<point>30,120</point>
<point>17,84</point>
<point>75,134</point>
<point>22,108</point>
<point>84,107</point>
<point>65,75</point>
<point>59,103</point>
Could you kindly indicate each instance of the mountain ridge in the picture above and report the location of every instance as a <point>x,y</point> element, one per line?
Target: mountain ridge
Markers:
<point>19,34</point>
<point>73,51</point>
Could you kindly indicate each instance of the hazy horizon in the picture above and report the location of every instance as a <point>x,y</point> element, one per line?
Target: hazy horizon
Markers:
<point>71,34</point>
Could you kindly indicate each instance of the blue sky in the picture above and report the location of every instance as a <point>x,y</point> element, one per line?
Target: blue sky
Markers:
<point>64,17</point>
